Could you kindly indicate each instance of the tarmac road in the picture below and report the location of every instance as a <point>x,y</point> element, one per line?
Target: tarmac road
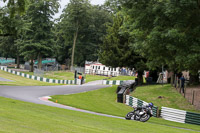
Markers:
<point>37,94</point>
<point>32,93</point>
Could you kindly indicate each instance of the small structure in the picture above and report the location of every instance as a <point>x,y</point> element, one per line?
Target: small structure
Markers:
<point>100,69</point>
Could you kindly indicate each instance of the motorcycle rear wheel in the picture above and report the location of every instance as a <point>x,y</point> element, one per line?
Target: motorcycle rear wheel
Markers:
<point>145,118</point>
<point>130,116</point>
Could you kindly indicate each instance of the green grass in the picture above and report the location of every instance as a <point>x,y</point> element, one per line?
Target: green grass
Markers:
<point>123,78</point>
<point>90,78</point>
<point>171,98</point>
<point>104,101</point>
<point>23,117</point>
<point>21,81</point>
<point>61,75</point>
<point>101,101</point>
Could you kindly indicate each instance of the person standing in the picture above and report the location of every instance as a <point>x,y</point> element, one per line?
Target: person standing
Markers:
<point>182,79</point>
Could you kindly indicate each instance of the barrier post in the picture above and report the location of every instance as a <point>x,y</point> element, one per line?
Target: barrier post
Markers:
<point>193,97</point>
<point>158,112</point>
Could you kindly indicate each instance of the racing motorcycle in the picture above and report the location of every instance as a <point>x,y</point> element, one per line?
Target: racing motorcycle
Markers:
<point>142,114</point>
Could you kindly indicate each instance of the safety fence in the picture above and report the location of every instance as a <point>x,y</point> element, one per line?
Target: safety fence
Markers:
<point>180,116</point>
<point>112,82</point>
<point>132,101</point>
<point>37,77</point>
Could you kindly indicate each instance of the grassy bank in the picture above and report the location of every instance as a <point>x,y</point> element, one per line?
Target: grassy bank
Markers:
<point>22,117</point>
<point>20,81</point>
<point>170,97</point>
<point>104,101</point>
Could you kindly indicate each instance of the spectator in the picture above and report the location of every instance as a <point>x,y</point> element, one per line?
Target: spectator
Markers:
<point>182,79</point>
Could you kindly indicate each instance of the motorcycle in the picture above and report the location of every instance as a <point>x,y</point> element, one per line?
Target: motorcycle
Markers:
<point>142,114</point>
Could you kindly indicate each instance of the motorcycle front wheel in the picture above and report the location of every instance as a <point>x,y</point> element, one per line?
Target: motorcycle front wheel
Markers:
<point>145,118</point>
<point>130,116</point>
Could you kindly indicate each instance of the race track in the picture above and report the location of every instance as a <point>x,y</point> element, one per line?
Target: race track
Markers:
<point>37,94</point>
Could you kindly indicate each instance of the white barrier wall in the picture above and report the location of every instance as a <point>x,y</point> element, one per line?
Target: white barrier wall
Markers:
<point>175,115</point>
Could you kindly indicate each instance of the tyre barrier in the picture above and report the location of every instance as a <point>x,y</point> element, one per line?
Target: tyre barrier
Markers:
<point>132,101</point>
<point>37,78</point>
<point>180,116</point>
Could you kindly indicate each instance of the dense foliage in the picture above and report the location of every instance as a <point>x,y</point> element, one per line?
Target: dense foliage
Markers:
<point>84,26</point>
<point>164,33</point>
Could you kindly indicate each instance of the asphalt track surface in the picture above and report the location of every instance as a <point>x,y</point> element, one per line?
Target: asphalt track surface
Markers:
<point>39,94</point>
<point>7,80</point>
<point>33,93</point>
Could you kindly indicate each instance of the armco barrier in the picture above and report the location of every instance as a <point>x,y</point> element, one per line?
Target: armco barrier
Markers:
<point>180,116</point>
<point>173,114</point>
<point>132,101</point>
<point>37,78</point>
<point>192,118</point>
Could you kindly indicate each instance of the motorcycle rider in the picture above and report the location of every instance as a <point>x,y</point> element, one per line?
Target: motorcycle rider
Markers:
<point>144,107</point>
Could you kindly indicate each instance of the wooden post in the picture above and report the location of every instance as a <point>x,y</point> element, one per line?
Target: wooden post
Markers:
<point>158,112</point>
<point>185,85</point>
<point>193,97</point>
<point>175,81</point>
<point>184,91</point>
<point>181,84</point>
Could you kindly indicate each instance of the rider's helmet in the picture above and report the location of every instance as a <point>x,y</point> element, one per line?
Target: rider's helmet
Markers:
<point>151,105</point>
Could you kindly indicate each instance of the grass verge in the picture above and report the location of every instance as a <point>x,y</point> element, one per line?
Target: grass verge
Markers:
<point>123,78</point>
<point>104,101</point>
<point>61,75</point>
<point>21,81</point>
<point>23,117</point>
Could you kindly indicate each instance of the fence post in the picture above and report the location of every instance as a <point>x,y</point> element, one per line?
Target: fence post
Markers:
<point>185,85</point>
<point>193,97</point>
<point>158,112</point>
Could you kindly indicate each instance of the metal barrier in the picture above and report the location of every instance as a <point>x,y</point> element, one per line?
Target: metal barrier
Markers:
<point>180,116</point>
<point>173,114</point>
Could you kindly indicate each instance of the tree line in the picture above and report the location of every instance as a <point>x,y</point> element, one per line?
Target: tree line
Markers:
<point>140,34</point>
<point>28,30</point>
<point>149,34</point>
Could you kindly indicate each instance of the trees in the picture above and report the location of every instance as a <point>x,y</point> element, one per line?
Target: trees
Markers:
<point>81,29</point>
<point>116,51</point>
<point>76,15</point>
<point>165,32</point>
<point>160,33</point>
<point>16,6</point>
<point>38,39</point>
<point>11,28</point>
